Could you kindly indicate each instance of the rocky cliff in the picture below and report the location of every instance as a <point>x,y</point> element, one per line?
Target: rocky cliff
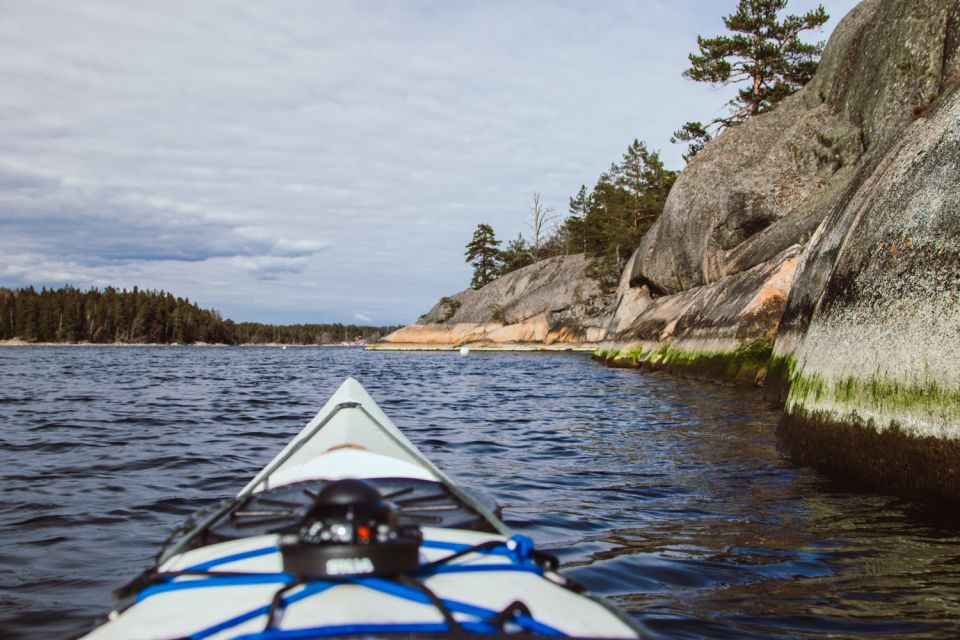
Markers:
<point>868,351</point>
<point>855,178</point>
<point>550,303</point>
<point>814,250</point>
<point>767,184</point>
<point>722,331</point>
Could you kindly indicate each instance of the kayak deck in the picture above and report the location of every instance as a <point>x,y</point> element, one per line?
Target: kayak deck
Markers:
<point>418,502</point>
<point>224,578</point>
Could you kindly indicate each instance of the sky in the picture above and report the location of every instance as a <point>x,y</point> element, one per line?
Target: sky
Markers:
<point>320,160</point>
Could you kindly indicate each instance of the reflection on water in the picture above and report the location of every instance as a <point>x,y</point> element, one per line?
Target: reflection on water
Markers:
<point>667,496</point>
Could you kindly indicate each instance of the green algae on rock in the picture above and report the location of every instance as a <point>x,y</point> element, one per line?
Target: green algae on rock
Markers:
<point>745,365</point>
<point>874,330</point>
<point>867,350</point>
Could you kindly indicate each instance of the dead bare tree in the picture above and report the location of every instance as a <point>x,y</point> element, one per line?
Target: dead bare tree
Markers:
<point>541,218</point>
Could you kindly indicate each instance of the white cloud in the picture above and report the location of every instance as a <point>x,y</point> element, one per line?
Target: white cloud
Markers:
<point>359,317</point>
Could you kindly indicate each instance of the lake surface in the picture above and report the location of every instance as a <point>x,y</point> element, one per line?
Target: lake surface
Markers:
<point>667,496</point>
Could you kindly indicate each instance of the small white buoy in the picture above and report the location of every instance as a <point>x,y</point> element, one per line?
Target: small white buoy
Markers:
<point>464,351</point>
<point>284,346</point>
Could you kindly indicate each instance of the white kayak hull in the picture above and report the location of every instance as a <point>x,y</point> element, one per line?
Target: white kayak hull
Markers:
<point>225,577</point>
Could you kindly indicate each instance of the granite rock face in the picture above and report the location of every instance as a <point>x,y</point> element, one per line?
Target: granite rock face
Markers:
<point>742,306</point>
<point>870,344</point>
<point>721,331</point>
<point>550,302</point>
<point>855,178</point>
<point>814,249</point>
<point>767,184</point>
<point>760,191</point>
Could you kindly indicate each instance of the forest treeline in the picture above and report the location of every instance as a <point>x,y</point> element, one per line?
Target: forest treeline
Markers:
<point>140,316</point>
<point>606,222</point>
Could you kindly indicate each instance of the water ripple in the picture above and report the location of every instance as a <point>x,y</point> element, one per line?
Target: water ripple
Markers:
<point>667,496</point>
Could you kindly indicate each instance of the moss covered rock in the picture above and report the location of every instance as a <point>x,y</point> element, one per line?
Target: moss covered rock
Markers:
<point>873,322</point>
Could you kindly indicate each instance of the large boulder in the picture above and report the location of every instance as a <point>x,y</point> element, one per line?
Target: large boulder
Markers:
<point>870,343</point>
<point>767,184</point>
<point>860,171</point>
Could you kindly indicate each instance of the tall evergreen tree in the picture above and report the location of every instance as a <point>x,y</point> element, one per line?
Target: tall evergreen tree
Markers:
<point>625,202</point>
<point>483,255</point>
<point>515,255</point>
<point>574,224</point>
<point>646,180</point>
<point>611,234</point>
<point>764,55</point>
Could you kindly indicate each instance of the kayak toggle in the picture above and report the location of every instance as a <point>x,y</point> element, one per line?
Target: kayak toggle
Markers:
<point>350,530</point>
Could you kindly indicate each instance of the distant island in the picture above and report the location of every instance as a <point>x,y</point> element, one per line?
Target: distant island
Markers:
<point>117,316</point>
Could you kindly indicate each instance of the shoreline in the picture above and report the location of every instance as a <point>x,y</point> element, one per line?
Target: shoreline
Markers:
<point>16,342</point>
<point>583,347</point>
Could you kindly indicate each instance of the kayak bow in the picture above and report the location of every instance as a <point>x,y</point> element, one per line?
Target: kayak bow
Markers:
<point>350,530</point>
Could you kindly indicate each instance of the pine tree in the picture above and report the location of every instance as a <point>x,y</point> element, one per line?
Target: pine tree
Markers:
<point>695,134</point>
<point>608,223</point>
<point>6,314</point>
<point>30,329</point>
<point>483,255</point>
<point>646,180</point>
<point>574,225</point>
<point>610,233</point>
<point>515,256</point>
<point>765,53</point>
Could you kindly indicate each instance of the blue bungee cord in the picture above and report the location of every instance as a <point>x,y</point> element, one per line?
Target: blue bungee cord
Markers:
<point>519,549</point>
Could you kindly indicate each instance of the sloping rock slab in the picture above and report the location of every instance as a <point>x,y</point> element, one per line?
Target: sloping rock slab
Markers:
<point>765,185</point>
<point>723,331</point>
<point>552,302</point>
<point>557,287</point>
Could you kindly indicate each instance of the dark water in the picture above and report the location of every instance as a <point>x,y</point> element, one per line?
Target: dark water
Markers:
<point>667,496</point>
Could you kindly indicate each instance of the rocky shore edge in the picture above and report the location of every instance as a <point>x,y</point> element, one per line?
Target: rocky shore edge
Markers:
<point>17,342</point>
<point>812,251</point>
